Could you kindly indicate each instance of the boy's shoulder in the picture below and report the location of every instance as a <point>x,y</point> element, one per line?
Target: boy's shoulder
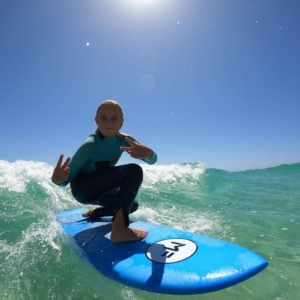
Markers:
<point>124,135</point>
<point>90,141</point>
<point>91,138</point>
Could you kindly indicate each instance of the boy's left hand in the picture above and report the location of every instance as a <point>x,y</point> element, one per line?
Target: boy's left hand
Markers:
<point>137,151</point>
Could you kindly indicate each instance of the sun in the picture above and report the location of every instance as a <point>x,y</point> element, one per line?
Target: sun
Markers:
<point>144,2</point>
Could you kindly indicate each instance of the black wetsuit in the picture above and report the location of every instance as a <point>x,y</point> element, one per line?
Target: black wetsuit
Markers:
<point>95,179</point>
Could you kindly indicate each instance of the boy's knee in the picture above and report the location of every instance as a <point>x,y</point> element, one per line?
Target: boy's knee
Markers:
<point>136,170</point>
<point>134,207</point>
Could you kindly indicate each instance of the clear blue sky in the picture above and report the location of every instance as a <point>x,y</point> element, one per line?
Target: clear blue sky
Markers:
<point>213,81</point>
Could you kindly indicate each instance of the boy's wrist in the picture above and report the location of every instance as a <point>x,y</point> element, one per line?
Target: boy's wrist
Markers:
<point>55,182</point>
<point>150,154</point>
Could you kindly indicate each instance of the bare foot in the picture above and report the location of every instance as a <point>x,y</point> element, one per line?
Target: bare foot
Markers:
<point>121,235</point>
<point>87,213</point>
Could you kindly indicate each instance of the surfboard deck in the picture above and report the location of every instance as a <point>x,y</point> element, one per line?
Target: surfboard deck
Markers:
<point>167,261</point>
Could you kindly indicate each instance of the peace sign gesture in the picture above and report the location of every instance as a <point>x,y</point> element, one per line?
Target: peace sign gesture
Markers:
<point>61,172</point>
<point>137,151</point>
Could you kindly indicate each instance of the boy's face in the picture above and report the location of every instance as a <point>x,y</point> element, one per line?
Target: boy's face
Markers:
<point>109,120</point>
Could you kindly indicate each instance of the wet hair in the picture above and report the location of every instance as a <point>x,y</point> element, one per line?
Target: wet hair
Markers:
<point>112,103</point>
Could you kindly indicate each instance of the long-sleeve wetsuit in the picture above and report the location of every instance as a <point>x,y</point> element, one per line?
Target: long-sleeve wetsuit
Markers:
<point>95,179</point>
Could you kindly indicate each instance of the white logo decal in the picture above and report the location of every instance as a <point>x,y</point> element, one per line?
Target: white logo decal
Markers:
<point>171,250</point>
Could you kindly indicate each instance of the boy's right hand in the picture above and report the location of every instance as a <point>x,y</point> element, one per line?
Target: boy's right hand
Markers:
<point>61,172</point>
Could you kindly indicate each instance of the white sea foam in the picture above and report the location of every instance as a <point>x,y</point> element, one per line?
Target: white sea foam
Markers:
<point>128,294</point>
<point>186,220</point>
<point>37,245</point>
<point>35,233</point>
<point>14,176</point>
<point>171,173</point>
<point>40,171</point>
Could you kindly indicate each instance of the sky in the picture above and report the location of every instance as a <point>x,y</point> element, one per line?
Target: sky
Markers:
<point>199,80</point>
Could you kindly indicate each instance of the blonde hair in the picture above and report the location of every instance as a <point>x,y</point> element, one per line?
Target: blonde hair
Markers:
<point>115,104</point>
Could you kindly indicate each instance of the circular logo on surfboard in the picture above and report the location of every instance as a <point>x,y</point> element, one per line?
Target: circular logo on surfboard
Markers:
<point>171,251</point>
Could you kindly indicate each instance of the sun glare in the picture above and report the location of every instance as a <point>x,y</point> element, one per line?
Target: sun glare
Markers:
<point>144,2</point>
<point>145,6</point>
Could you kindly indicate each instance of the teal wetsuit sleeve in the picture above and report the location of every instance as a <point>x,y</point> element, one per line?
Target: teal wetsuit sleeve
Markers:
<point>152,160</point>
<point>79,159</point>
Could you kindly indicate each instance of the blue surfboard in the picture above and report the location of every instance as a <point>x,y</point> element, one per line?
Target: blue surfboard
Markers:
<point>168,260</point>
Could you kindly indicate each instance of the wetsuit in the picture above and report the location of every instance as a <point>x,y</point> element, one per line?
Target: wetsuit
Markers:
<point>94,178</point>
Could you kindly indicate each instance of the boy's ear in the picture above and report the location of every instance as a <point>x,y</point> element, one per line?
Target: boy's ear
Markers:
<point>96,120</point>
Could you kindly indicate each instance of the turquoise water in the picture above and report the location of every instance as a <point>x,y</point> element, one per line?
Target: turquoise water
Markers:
<point>257,209</point>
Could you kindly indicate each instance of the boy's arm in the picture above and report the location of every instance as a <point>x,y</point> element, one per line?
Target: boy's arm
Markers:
<point>139,151</point>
